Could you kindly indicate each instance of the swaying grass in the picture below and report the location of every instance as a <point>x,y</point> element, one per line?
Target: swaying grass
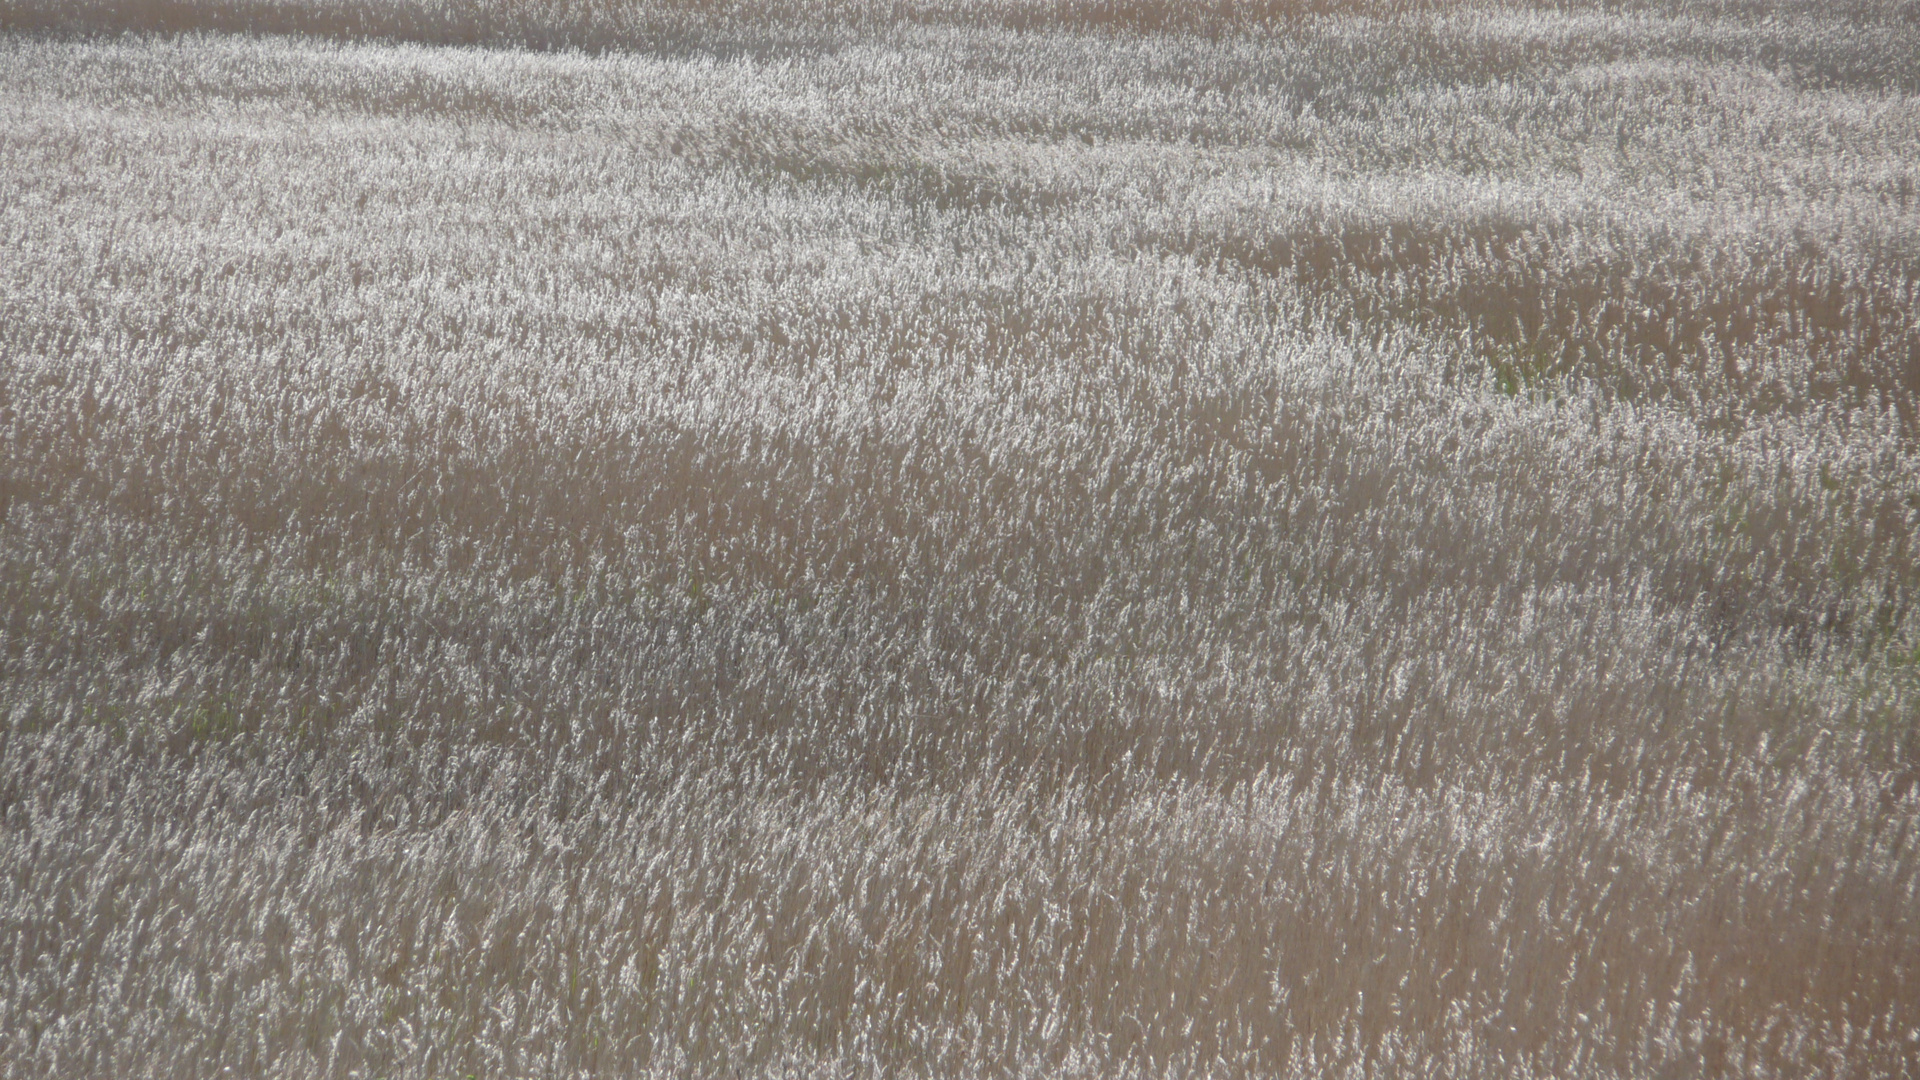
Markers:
<point>981,539</point>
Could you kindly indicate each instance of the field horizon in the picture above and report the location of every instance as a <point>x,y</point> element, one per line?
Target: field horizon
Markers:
<point>959,539</point>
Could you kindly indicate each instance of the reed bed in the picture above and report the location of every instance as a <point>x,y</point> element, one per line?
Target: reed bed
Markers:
<point>973,539</point>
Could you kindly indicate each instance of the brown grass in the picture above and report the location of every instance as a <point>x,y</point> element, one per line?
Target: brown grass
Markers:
<point>966,553</point>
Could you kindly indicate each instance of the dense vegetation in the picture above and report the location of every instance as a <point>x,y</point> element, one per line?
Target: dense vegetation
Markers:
<point>966,539</point>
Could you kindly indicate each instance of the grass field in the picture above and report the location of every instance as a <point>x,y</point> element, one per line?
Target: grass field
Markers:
<point>959,539</point>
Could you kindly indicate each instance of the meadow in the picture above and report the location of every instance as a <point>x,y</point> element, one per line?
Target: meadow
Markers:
<point>959,538</point>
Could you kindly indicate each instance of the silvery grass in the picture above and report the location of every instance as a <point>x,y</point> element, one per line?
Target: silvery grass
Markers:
<point>1383,548</point>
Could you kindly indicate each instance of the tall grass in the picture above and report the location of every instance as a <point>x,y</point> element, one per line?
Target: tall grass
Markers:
<point>959,541</point>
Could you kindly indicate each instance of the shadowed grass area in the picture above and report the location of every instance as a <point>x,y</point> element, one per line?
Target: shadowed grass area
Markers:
<point>1645,317</point>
